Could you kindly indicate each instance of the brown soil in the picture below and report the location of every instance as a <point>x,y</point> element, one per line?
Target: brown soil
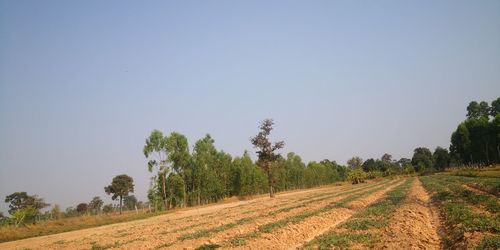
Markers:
<point>293,236</point>
<point>157,231</point>
<point>414,225</point>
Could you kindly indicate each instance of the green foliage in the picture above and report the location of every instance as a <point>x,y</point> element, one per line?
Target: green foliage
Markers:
<point>441,159</point>
<point>266,152</point>
<point>208,247</point>
<point>340,240</point>
<point>25,215</point>
<point>20,200</point>
<point>130,202</point>
<point>422,159</point>
<point>458,206</point>
<point>107,208</point>
<point>95,204</point>
<point>476,140</point>
<point>121,185</point>
<point>176,191</point>
<point>356,176</point>
<point>355,162</point>
<point>55,212</point>
<point>489,242</point>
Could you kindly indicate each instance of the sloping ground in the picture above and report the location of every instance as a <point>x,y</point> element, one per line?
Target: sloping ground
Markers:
<point>166,230</point>
<point>414,225</point>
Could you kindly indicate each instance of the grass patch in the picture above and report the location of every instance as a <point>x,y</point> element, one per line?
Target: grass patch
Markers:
<point>10,233</point>
<point>214,230</point>
<point>341,240</point>
<point>364,224</point>
<point>489,242</point>
<point>208,247</point>
<point>457,205</point>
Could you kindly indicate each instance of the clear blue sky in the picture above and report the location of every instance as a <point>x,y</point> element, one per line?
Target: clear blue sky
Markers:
<point>82,84</point>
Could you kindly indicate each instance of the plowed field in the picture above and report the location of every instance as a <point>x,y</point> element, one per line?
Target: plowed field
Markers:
<point>385,214</point>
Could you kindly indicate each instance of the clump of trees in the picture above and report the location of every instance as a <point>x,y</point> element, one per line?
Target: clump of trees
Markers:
<point>476,141</point>
<point>24,208</point>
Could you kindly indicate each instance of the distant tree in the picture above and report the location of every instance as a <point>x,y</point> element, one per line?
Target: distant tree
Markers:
<point>20,200</point>
<point>95,204</point>
<point>369,165</point>
<point>179,157</point>
<point>155,149</point>
<point>70,212</point>
<point>130,202</point>
<point>355,162</point>
<point>441,158</point>
<point>25,215</point>
<point>422,159</point>
<point>121,186</point>
<point>108,208</point>
<point>82,208</point>
<point>495,108</point>
<point>266,151</point>
<point>387,158</point>
<point>55,212</point>
<point>477,110</point>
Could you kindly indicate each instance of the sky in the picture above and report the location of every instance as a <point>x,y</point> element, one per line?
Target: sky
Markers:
<point>83,83</point>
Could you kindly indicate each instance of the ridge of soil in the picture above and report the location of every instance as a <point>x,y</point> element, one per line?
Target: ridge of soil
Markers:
<point>414,225</point>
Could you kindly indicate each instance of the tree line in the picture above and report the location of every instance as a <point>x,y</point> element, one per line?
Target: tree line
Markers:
<point>204,174</point>
<point>476,141</point>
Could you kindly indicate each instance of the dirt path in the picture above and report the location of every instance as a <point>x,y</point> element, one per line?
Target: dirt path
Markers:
<point>414,225</point>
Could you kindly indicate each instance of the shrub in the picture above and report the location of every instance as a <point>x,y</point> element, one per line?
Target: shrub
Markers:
<point>357,176</point>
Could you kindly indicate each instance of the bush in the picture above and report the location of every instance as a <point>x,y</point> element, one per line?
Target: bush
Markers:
<point>357,176</point>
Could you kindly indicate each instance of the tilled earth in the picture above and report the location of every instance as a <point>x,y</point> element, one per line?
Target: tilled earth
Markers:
<point>287,221</point>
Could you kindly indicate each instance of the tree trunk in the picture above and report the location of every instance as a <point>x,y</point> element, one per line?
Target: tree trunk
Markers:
<point>487,154</point>
<point>165,191</point>
<point>270,182</point>
<point>120,204</point>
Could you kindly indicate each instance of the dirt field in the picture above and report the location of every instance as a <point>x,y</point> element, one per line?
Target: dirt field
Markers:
<point>290,220</point>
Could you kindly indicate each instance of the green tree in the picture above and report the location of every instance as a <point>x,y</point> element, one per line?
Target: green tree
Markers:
<point>179,157</point>
<point>176,190</point>
<point>82,208</point>
<point>441,158</point>
<point>121,186</point>
<point>95,204</point>
<point>422,159</point>
<point>130,202</point>
<point>55,212</point>
<point>25,215</point>
<point>369,165</point>
<point>107,208</point>
<point>495,108</point>
<point>155,149</point>
<point>355,162</point>
<point>20,200</point>
<point>266,152</point>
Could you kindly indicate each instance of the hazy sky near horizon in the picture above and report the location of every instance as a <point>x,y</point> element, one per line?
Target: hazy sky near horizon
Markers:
<point>83,83</point>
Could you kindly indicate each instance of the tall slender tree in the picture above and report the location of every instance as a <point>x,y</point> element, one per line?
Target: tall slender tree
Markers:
<point>155,149</point>
<point>266,152</point>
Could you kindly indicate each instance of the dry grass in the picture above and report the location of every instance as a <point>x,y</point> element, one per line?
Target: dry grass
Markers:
<point>9,233</point>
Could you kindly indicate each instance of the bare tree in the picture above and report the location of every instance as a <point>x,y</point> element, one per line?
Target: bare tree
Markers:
<point>266,151</point>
